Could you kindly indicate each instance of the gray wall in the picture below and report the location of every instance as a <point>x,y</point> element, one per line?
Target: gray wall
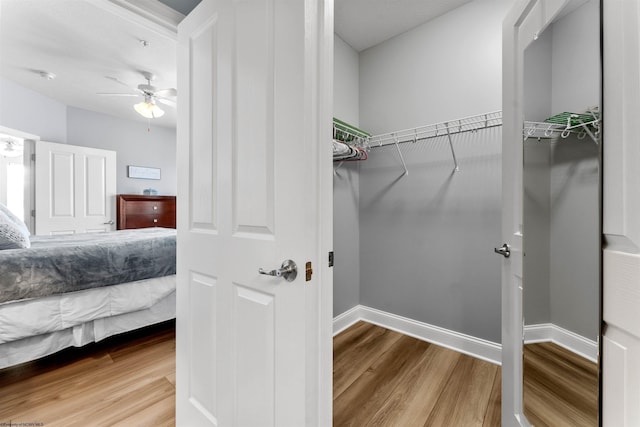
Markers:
<point>447,68</point>
<point>134,144</point>
<point>427,239</point>
<point>561,217</point>
<point>28,111</point>
<point>346,182</point>
<point>537,222</point>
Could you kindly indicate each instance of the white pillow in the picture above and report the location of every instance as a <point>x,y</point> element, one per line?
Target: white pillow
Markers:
<point>12,236</point>
<point>20,223</point>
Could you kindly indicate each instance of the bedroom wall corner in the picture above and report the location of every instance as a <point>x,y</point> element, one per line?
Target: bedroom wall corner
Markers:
<point>134,146</point>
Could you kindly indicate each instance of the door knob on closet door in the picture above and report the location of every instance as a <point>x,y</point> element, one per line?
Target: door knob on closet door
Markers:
<point>288,270</point>
<point>503,250</point>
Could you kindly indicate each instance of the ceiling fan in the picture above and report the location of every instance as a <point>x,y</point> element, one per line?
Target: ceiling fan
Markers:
<point>147,108</point>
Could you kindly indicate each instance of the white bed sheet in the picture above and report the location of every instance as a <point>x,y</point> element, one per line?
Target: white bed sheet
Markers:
<point>34,347</point>
<point>22,319</point>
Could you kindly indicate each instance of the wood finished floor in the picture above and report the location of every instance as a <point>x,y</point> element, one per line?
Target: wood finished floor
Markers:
<point>560,387</point>
<point>127,380</point>
<point>384,378</point>
<point>381,378</point>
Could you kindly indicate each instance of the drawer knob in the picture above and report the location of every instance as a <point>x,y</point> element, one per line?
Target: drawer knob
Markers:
<point>155,208</point>
<point>155,220</point>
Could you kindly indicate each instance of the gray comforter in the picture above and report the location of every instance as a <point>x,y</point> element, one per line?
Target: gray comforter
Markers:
<point>59,264</point>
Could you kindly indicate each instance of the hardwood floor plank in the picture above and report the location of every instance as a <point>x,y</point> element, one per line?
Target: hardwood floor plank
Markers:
<point>493,417</point>
<point>356,349</point>
<point>560,387</point>
<point>418,391</point>
<point>465,397</point>
<point>359,402</point>
<point>121,409</point>
<point>74,387</point>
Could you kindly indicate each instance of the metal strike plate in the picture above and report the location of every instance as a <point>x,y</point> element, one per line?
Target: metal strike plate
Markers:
<point>308,271</point>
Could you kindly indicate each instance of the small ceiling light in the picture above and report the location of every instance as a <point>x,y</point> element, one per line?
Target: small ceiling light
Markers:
<point>9,148</point>
<point>148,108</point>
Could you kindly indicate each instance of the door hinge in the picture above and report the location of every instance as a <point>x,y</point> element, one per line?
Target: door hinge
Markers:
<point>33,213</point>
<point>33,157</point>
<point>331,259</point>
<point>308,271</point>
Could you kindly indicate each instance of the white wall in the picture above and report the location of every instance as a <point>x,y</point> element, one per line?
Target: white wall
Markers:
<point>448,68</point>
<point>346,183</point>
<point>134,144</point>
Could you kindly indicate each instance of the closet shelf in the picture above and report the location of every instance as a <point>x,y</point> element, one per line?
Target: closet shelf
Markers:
<point>349,143</point>
<point>563,125</point>
<point>448,128</point>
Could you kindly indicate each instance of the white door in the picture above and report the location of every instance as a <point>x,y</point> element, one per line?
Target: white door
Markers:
<point>525,21</point>
<point>75,189</point>
<point>621,214</point>
<point>254,190</point>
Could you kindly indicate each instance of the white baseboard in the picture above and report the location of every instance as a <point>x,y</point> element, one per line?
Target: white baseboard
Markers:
<point>475,347</point>
<point>546,332</point>
<point>346,319</point>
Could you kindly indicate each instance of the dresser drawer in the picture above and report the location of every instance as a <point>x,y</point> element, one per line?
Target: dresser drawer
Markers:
<point>149,208</point>
<point>139,211</point>
<point>144,221</point>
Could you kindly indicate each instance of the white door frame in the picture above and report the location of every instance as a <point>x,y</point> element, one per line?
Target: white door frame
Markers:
<point>524,22</point>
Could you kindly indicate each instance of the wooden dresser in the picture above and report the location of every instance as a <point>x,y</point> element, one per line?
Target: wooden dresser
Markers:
<point>138,211</point>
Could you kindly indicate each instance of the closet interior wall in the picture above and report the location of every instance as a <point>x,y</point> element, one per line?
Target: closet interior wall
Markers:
<point>426,239</point>
<point>346,183</point>
<point>561,213</point>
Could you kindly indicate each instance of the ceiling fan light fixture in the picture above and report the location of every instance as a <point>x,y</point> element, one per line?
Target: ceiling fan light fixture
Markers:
<point>148,109</point>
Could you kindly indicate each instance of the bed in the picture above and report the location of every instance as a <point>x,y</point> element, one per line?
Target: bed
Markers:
<point>63,291</point>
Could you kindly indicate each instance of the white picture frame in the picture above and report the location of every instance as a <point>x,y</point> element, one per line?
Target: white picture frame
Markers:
<point>143,172</point>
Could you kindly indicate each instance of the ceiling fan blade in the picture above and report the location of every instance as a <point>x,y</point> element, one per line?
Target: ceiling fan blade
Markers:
<point>113,79</point>
<point>166,92</point>
<point>117,94</point>
<point>168,102</point>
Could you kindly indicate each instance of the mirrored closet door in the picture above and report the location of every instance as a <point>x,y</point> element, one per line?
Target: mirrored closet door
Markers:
<point>561,219</point>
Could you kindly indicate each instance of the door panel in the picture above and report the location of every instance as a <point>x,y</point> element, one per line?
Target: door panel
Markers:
<point>75,189</point>
<point>247,161</point>
<point>621,227</point>
<point>525,20</point>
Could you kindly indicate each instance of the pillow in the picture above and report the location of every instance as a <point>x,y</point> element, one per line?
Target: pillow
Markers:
<point>12,236</point>
<point>20,223</point>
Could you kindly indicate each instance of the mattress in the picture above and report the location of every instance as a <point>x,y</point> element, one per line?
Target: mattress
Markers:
<point>55,265</point>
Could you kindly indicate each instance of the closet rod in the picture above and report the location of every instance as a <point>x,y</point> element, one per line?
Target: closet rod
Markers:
<point>448,128</point>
